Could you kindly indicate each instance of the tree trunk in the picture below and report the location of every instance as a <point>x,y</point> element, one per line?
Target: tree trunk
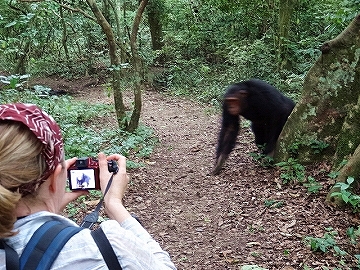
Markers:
<point>285,13</point>
<point>22,61</point>
<point>330,94</point>
<point>125,56</point>
<point>349,138</point>
<point>352,168</point>
<point>137,65</point>
<point>64,33</point>
<point>154,12</point>
<point>114,60</point>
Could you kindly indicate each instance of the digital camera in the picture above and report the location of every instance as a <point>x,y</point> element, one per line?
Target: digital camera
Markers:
<point>84,173</point>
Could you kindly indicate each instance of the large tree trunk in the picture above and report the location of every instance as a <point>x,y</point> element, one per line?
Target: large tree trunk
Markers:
<point>331,91</point>
<point>329,110</point>
<point>114,60</point>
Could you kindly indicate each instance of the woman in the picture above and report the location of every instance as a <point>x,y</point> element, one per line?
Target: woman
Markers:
<point>33,175</point>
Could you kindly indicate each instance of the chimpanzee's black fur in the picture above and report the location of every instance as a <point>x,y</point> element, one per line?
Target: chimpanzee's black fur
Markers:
<point>264,106</point>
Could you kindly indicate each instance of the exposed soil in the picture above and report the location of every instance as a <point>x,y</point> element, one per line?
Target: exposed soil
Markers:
<point>221,222</point>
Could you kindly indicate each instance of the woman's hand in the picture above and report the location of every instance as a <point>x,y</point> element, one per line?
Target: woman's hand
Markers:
<point>73,195</point>
<point>113,198</point>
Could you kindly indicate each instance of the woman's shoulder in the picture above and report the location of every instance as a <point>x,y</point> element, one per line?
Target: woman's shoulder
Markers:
<point>41,217</point>
<point>26,226</point>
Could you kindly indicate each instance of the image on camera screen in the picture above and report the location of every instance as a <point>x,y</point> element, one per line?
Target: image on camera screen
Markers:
<point>82,179</point>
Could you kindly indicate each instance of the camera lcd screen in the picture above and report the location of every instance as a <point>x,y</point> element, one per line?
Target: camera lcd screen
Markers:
<point>82,179</point>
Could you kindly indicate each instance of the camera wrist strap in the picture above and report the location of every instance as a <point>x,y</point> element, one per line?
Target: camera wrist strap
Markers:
<point>92,218</point>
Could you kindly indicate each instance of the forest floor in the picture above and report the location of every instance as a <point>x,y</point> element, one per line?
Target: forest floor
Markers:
<point>243,216</point>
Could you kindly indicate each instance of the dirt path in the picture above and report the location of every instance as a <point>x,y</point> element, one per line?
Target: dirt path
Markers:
<point>222,222</point>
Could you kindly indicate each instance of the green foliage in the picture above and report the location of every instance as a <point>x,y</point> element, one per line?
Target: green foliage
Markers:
<point>347,195</point>
<point>353,234</point>
<point>203,54</point>
<point>325,243</point>
<point>333,175</point>
<point>292,171</point>
<point>315,145</point>
<point>81,127</point>
<point>318,146</point>
<point>312,185</point>
<point>264,160</point>
<point>36,31</point>
<point>71,210</point>
<point>274,203</point>
<point>14,81</point>
<point>251,59</point>
<point>235,44</point>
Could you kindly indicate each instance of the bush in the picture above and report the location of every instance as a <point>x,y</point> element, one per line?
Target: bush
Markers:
<point>77,120</point>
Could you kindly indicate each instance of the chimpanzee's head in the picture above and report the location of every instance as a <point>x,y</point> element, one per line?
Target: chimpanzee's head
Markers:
<point>236,101</point>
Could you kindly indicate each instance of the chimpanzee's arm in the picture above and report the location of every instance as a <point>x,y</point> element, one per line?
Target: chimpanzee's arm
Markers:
<point>227,138</point>
<point>228,134</point>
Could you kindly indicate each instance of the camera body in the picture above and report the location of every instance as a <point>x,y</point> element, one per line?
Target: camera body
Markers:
<point>84,173</point>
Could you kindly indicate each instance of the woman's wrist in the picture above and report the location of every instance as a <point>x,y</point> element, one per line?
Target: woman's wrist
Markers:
<point>116,210</point>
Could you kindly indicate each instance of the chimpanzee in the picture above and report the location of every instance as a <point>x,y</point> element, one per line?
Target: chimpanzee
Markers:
<point>82,180</point>
<point>263,105</point>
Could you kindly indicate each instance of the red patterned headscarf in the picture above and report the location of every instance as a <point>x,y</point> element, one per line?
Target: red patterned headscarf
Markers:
<point>45,129</point>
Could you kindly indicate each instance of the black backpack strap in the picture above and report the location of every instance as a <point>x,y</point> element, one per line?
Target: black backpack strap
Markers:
<point>46,244</point>
<point>12,258</point>
<point>106,249</point>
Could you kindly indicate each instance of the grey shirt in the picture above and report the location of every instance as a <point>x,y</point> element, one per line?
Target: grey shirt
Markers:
<point>133,245</point>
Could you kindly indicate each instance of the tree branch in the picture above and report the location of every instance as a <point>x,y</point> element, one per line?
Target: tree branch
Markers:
<point>349,34</point>
<point>137,20</point>
<point>77,10</point>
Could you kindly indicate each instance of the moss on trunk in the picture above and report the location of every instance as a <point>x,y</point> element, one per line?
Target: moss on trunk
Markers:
<point>330,94</point>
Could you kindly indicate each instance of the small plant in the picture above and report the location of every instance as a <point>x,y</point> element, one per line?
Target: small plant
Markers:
<point>71,210</point>
<point>14,81</point>
<point>353,234</point>
<point>357,256</point>
<point>255,254</point>
<point>274,203</point>
<point>255,228</point>
<point>325,243</point>
<point>292,171</point>
<point>294,149</point>
<point>318,146</point>
<point>312,185</point>
<point>286,252</point>
<point>333,175</point>
<point>263,160</point>
<point>346,194</point>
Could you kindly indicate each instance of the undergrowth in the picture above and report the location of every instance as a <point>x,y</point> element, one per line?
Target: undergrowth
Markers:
<point>82,135</point>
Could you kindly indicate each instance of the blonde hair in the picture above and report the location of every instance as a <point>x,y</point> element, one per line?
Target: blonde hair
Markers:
<point>21,162</point>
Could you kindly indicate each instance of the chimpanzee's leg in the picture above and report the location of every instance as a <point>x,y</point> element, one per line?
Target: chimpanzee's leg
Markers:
<point>259,130</point>
<point>276,125</point>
